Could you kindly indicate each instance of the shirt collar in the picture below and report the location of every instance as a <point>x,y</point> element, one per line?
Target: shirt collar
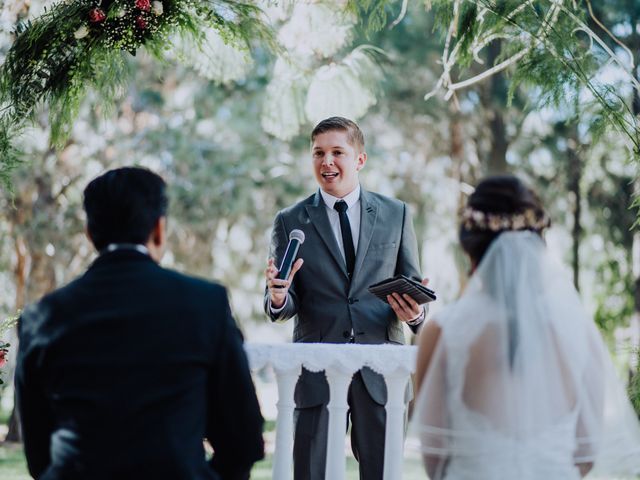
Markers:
<point>351,199</point>
<point>112,247</point>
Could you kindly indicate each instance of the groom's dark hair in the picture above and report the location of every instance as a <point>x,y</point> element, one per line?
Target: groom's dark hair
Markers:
<point>124,205</point>
<point>502,195</point>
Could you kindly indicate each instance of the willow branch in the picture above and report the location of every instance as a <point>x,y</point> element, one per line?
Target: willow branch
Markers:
<point>550,19</point>
<point>403,12</point>
<point>517,10</point>
<point>582,26</point>
<point>486,41</point>
<point>611,35</point>
<point>448,60</point>
<point>487,73</point>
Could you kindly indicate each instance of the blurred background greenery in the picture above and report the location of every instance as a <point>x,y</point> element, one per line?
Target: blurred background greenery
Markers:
<point>229,130</point>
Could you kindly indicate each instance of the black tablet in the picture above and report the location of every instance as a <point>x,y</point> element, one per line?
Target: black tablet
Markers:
<point>401,284</point>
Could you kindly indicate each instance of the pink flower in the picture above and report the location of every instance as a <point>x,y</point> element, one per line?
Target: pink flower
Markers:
<point>141,22</point>
<point>144,5</point>
<point>3,358</point>
<point>96,15</point>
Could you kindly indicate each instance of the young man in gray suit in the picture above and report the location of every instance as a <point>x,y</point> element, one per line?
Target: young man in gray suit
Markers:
<point>353,238</point>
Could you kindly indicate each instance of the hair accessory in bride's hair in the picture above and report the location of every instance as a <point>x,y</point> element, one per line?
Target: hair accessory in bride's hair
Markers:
<point>497,222</point>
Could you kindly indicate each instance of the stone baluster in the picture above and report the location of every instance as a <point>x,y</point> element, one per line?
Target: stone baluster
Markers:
<point>339,380</point>
<point>283,458</point>
<point>394,434</point>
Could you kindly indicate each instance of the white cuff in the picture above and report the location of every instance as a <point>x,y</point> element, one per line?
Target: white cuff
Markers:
<point>275,311</point>
<point>418,320</point>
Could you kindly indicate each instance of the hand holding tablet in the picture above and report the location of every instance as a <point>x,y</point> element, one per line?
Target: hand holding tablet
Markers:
<point>401,284</point>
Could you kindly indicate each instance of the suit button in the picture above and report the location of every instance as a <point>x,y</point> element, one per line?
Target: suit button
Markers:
<point>352,300</point>
<point>346,334</point>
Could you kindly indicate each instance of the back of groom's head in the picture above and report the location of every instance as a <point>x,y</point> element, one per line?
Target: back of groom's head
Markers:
<point>124,205</point>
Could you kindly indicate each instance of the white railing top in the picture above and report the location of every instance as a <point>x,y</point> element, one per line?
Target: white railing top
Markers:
<point>384,359</point>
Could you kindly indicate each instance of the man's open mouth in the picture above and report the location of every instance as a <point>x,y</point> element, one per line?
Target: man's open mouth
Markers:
<point>329,174</point>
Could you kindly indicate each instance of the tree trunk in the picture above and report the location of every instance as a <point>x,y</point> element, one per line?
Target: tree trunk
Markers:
<point>634,44</point>
<point>34,272</point>
<point>575,177</point>
<point>14,433</point>
<point>456,152</point>
<point>20,271</point>
<point>495,103</point>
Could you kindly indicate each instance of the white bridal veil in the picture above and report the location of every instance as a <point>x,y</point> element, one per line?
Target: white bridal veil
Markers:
<point>521,385</point>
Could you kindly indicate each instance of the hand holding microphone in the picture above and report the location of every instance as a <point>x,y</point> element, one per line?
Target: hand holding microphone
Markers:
<point>279,280</point>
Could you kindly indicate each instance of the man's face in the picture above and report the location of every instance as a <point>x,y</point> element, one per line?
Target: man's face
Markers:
<point>336,162</point>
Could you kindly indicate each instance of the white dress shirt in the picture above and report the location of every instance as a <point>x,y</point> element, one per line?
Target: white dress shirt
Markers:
<point>353,214</point>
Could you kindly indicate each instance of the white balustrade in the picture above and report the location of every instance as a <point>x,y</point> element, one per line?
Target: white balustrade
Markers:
<point>339,362</point>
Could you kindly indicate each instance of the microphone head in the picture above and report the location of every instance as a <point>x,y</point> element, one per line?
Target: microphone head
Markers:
<point>297,235</point>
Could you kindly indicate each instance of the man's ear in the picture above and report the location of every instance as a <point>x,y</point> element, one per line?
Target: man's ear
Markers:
<point>362,159</point>
<point>159,233</point>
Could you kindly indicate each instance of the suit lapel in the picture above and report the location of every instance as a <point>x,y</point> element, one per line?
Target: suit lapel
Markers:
<point>318,216</point>
<point>368,217</point>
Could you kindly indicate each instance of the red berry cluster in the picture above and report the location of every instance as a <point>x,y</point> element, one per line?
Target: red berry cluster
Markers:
<point>144,5</point>
<point>96,15</point>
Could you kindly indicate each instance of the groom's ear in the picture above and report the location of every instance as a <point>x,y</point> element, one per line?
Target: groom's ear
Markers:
<point>159,233</point>
<point>157,241</point>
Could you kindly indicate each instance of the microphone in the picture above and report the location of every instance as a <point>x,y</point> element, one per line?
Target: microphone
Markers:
<point>296,238</point>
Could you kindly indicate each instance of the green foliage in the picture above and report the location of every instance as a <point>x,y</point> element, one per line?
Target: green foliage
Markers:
<point>372,14</point>
<point>11,156</point>
<point>9,322</point>
<point>634,389</point>
<point>467,32</point>
<point>615,305</point>
<point>544,72</point>
<point>547,45</point>
<point>443,13</point>
<point>75,47</point>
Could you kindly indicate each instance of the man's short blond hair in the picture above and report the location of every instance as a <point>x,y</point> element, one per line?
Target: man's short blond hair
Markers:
<point>354,134</point>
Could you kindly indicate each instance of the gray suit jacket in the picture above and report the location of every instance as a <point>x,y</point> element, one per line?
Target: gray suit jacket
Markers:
<point>326,306</point>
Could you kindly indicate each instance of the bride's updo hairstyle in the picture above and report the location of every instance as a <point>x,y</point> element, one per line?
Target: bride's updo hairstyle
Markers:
<point>498,204</point>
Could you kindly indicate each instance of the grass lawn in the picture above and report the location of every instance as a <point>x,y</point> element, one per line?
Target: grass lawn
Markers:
<point>12,463</point>
<point>13,466</point>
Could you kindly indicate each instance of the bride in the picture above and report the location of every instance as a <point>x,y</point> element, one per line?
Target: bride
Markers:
<point>514,380</point>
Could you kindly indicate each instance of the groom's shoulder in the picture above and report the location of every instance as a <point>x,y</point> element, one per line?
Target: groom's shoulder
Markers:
<point>190,283</point>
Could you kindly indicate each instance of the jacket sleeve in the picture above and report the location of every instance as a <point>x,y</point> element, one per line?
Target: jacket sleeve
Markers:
<point>35,413</point>
<point>408,263</point>
<point>234,423</point>
<point>279,241</point>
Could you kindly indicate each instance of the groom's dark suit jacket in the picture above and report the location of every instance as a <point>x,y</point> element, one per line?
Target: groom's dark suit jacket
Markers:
<point>123,372</point>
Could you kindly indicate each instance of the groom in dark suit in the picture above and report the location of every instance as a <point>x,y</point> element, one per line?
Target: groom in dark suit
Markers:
<point>353,238</point>
<point>123,372</point>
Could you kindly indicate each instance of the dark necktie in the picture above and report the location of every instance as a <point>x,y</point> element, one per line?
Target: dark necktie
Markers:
<point>347,239</point>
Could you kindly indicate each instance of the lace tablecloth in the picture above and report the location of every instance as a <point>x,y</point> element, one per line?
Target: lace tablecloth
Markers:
<point>385,359</point>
